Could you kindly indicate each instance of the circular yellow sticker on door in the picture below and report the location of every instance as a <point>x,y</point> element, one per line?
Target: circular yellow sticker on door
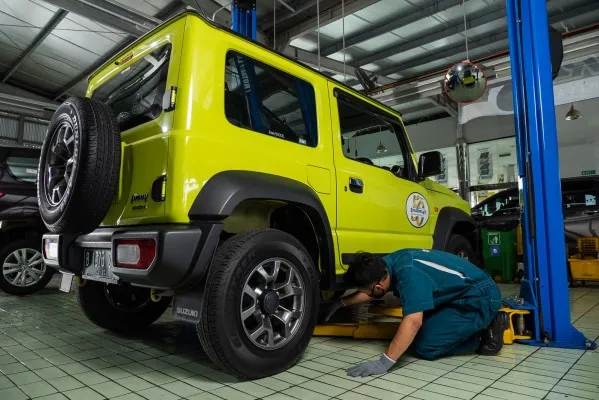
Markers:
<point>417,210</point>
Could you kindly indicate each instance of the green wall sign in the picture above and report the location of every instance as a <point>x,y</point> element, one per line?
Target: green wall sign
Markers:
<point>588,172</point>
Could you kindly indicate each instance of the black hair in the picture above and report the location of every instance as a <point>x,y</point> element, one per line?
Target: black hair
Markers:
<point>364,270</point>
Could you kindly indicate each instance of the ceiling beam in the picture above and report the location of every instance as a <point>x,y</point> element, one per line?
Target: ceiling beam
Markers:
<point>89,70</point>
<point>326,17</point>
<point>39,38</point>
<point>267,21</point>
<point>111,14</point>
<point>130,23</point>
<point>492,13</point>
<point>443,101</point>
<point>590,8</point>
<point>208,7</point>
<point>416,14</point>
<point>455,52</point>
<point>555,16</point>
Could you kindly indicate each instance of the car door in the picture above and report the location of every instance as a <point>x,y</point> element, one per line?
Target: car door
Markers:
<point>380,206</point>
<point>18,175</point>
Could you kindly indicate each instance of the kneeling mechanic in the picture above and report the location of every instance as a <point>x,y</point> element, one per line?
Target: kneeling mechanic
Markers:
<point>450,306</point>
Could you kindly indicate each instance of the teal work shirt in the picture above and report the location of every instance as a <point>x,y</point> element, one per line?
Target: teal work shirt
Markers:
<point>427,279</point>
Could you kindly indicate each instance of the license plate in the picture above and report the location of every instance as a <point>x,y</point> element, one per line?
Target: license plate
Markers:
<point>97,262</point>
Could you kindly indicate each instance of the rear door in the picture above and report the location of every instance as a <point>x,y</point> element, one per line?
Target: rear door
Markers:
<point>138,88</point>
<point>380,206</point>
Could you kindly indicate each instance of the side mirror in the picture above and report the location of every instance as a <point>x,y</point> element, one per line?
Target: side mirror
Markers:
<point>429,164</point>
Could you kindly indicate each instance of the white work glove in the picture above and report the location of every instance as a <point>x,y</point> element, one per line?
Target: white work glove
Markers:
<point>334,308</point>
<point>375,367</point>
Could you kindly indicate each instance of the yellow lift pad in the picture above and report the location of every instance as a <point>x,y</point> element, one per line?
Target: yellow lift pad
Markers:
<point>372,329</point>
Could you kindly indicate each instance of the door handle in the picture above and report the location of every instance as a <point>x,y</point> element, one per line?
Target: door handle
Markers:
<point>356,185</point>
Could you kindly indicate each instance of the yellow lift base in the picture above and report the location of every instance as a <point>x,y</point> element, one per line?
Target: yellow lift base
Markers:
<point>372,329</point>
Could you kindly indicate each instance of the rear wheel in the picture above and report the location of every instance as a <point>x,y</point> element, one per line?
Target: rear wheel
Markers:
<point>23,269</point>
<point>260,305</point>
<point>119,308</point>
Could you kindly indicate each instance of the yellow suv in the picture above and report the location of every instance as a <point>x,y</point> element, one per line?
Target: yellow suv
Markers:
<point>210,172</point>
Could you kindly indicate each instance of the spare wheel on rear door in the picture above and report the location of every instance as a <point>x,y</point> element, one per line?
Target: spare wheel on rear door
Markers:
<point>78,174</point>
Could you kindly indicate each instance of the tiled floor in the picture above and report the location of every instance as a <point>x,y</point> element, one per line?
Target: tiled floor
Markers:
<point>48,350</point>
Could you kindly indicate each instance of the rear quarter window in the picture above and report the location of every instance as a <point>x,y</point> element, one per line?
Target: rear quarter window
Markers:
<point>267,100</point>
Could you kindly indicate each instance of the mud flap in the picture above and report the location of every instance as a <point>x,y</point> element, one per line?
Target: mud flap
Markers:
<point>187,306</point>
<point>66,282</point>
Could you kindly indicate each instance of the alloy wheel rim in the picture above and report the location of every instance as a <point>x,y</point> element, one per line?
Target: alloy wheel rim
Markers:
<point>23,267</point>
<point>59,163</point>
<point>272,303</point>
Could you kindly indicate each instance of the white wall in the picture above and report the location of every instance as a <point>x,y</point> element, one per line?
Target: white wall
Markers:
<point>433,135</point>
<point>575,159</point>
<point>578,140</point>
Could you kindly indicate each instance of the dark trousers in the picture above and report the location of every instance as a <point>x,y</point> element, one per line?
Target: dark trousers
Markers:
<point>456,328</point>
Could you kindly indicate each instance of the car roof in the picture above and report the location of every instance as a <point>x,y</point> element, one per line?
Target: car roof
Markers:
<point>230,31</point>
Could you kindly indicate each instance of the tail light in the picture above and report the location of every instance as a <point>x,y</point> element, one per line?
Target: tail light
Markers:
<point>51,249</point>
<point>134,253</point>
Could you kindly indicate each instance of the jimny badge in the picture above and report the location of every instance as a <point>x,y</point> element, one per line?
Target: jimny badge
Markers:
<point>417,210</point>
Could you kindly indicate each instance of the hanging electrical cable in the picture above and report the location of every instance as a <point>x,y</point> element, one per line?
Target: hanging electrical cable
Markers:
<point>274,25</point>
<point>343,36</point>
<point>465,29</point>
<point>318,31</point>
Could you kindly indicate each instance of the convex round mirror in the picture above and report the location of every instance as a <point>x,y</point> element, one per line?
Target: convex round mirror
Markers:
<point>465,82</point>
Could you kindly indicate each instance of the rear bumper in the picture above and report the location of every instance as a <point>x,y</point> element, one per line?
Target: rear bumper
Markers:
<point>184,253</point>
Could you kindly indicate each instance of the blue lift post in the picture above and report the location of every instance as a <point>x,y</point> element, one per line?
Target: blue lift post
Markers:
<point>545,284</point>
<point>244,17</point>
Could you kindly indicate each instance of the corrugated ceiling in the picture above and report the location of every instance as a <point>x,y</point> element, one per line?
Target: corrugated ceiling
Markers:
<point>422,36</point>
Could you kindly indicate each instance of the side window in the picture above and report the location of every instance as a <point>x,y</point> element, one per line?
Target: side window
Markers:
<point>264,99</point>
<point>22,165</point>
<point>370,138</point>
<point>579,199</point>
<point>135,95</point>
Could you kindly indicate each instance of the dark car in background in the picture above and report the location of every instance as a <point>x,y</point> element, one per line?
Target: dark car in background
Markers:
<point>21,228</point>
<point>579,201</point>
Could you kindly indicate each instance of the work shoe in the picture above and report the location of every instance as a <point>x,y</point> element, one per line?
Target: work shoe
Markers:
<point>492,337</point>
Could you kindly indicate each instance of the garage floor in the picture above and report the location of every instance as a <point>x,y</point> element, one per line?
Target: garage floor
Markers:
<point>48,350</point>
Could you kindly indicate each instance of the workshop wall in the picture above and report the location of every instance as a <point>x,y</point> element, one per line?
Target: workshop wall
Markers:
<point>578,140</point>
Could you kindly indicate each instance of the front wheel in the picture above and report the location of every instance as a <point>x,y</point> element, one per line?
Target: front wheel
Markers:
<point>461,246</point>
<point>260,304</point>
<point>119,308</point>
<point>23,269</point>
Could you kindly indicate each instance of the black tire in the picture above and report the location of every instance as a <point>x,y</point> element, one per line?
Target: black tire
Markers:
<point>99,306</point>
<point>221,330</point>
<point>5,253</point>
<point>462,247</point>
<point>94,154</point>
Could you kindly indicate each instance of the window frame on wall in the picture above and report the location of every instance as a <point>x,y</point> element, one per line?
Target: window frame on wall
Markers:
<point>301,88</point>
<point>395,127</point>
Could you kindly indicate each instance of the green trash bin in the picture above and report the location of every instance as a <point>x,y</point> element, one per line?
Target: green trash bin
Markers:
<point>499,249</point>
